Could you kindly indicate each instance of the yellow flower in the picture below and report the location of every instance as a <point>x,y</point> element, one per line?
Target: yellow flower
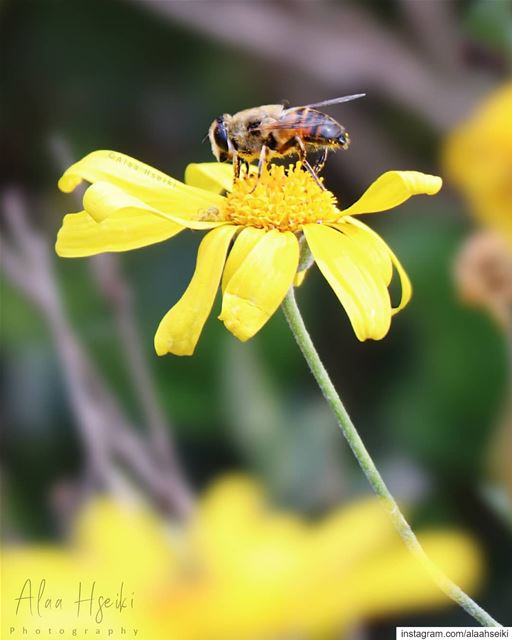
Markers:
<point>478,158</point>
<point>280,576</point>
<point>117,551</point>
<point>237,571</point>
<point>130,205</point>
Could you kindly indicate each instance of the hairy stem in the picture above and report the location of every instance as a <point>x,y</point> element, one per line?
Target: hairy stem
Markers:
<point>296,323</point>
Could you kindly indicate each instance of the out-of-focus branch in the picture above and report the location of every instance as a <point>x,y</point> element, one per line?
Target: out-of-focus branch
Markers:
<point>30,270</point>
<point>107,271</point>
<point>106,433</point>
<point>108,275</point>
<point>433,25</point>
<point>346,48</point>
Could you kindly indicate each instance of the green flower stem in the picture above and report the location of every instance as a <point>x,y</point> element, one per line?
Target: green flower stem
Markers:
<point>366,463</point>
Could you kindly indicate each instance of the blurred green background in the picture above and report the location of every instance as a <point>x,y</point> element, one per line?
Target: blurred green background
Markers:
<point>146,79</point>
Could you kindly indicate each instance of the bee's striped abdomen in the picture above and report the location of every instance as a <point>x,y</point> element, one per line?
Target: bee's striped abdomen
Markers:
<point>319,128</point>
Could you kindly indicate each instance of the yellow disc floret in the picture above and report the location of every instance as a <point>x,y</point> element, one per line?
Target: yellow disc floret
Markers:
<point>282,198</point>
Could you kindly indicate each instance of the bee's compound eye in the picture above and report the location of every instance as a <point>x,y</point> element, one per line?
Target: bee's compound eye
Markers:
<point>220,134</point>
<point>344,140</point>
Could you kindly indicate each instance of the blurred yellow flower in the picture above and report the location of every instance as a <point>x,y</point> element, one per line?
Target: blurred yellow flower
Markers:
<point>118,552</point>
<point>236,571</point>
<point>478,158</point>
<point>264,574</point>
<point>130,205</point>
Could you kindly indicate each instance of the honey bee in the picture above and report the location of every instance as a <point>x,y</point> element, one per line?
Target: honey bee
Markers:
<point>274,130</point>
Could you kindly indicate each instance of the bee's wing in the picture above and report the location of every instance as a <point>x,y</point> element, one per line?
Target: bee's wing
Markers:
<point>294,119</point>
<point>326,103</point>
<point>291,118</point>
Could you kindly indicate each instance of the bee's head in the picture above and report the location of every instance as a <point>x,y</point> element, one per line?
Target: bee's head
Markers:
<point>344,140</point>
<point>218,134</point>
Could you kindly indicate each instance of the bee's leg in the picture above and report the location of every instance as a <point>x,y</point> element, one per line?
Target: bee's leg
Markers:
<point>289,144</point>
<point>246,165</point>
<point>313,174</point>
<point>236,165</point>
<point>303,158</point>
<point>262,159</point>
<point>320,163</point>
<point>261,164</point>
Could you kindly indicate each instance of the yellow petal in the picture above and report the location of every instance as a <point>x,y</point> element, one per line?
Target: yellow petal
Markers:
<point>376,252</point>
<point>81,236</point>
<point>392,188</point>
<point>138,179</point>
<point>211,176</point>
<point>259,285</point>
<point>102,199</point>
<point>395,581</point>
<point>360,289</point>
<point>405,283</point>
<point>181,327</point>
<point>244,244</point>
<point>362,528</point>
<point>108,529</point>
<point>384,578</point>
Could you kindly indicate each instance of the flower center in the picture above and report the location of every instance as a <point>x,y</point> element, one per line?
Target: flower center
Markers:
<point>282,198</point>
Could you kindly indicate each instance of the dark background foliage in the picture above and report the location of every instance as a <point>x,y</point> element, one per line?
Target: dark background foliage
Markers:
<point>147,78</point>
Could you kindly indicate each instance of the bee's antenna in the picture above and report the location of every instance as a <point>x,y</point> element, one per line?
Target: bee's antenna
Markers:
<point>285,102</point>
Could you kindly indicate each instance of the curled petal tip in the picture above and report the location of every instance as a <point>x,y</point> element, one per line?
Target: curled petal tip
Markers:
<point>418,183</point>
<point>236,327</point>
<point>165,347</point>
<point>435,185</point>
<point>68,183</point>
<point>160,346</point>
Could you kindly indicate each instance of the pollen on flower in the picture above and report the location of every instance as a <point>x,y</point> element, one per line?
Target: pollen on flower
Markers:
<point>283,198</point>
<point>211,214</point>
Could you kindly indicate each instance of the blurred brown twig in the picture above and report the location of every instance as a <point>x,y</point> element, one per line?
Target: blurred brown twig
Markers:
<point>107,272</point>
<point>110,440</point>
